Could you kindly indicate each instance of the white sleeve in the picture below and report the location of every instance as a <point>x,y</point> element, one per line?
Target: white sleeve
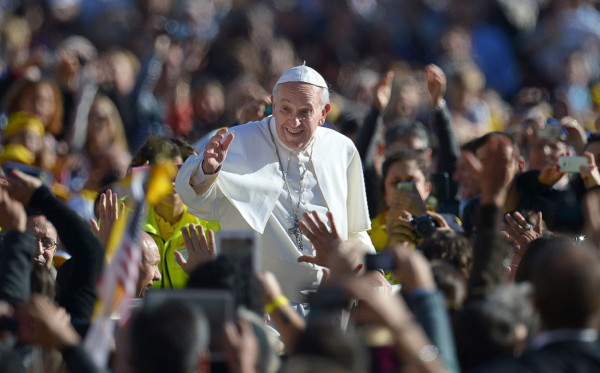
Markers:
<point>207,204</point>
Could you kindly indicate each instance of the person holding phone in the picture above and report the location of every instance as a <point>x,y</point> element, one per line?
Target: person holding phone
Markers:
<point>406,193</point>
<point>265,175</point>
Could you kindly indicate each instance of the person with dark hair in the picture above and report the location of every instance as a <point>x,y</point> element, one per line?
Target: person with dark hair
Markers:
<point>169,337</point>
<point>451,247</point>
<point>166,220</point>
<point>405,166</point>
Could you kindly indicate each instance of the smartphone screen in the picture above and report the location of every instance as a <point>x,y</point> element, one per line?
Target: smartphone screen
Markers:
<point>383,260</point>
<point>239,245</point>
<point>571,164</point>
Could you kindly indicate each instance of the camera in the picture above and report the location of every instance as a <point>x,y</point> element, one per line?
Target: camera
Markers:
<point>424,226</point>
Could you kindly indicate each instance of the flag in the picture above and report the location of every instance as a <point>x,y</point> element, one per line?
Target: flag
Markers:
<point>117,284</point>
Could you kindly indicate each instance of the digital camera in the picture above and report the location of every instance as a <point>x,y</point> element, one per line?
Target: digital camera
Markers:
<point>424,226</point>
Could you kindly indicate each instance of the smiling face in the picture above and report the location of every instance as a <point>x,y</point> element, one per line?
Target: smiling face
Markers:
<point>298,112</point>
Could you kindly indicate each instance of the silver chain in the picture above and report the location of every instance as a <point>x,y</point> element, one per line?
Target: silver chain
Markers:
<point>295,229</point>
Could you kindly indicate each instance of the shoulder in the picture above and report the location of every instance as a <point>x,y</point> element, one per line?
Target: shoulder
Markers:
<point>331,141</point>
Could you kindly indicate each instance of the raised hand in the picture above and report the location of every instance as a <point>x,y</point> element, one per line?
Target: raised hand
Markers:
<point>382,92</point>
<point>22,186</point>
<point>200,250</point>
<point>495,170</point>
<point>110,210</point>
<point>254,110</point>
<point>12,213</point>
<point>326,242</point>
<point>436,84</point>
<point>520,232</point>
<point>216,151</point>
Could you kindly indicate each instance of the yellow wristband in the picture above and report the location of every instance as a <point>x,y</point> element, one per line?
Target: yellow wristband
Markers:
<point>276,303</point>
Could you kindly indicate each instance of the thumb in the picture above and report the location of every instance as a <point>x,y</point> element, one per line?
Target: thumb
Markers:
<point>95,227</point>
<point>307,259</point>
<point>179,258</point>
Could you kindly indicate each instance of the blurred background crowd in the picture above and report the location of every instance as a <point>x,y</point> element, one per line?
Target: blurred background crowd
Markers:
<point>91,88</point>
<point>105,74</point>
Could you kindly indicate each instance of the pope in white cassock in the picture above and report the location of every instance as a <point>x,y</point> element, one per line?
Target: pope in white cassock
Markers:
<point>265,175</point>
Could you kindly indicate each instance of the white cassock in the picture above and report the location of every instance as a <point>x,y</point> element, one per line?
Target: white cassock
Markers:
<point>249,193</point>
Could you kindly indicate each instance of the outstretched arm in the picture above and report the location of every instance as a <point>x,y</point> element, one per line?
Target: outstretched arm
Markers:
<point>87,253</point>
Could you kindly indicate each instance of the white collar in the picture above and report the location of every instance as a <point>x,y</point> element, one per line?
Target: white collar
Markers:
<point>564,335</point>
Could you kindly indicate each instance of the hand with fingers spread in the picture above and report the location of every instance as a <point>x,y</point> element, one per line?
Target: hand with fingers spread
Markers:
<point>22,186</point>
<point>200,249</point>
<point>520,232</point>
<point>110,210</point>
<point>589,172</point>
<point>12,213</point>
<point>325,242</point>
<point>216,151</point>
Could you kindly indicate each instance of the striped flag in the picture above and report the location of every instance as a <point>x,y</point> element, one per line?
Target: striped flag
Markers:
<point>118,282</point>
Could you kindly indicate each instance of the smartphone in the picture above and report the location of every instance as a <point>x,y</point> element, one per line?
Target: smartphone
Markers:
<point>239,245</point>
<point>407,186</point>
<point>216,305</point>
<point>383,260</point>
<point>571,164</point>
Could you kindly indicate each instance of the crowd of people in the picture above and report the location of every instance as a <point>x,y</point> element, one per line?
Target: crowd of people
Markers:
<point>417,180</point>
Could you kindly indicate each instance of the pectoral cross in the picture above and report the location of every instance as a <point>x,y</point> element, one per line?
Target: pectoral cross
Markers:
<point>297,233</point>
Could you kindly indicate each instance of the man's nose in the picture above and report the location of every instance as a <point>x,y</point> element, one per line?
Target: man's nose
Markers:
<point>157,276</point>
<point>39,248</point>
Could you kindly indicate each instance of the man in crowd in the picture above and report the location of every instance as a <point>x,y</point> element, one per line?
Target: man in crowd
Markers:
<point>277,170</point>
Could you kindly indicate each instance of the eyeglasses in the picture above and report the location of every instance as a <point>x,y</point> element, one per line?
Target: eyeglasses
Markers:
<point>47,243</point>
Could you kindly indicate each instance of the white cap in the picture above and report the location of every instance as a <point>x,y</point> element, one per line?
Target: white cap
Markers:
<point>303,74</point>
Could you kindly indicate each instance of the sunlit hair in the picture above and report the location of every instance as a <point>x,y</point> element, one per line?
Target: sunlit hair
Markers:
<point>27,87</point>
<point>117,130</point>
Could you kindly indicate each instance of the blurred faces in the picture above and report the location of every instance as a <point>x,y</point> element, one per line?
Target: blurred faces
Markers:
<point>29,139</point>
<point>46,236</point>
<point>414,143</point>
<point>406,171</point>
<point>468,184</point>
<point>100,133</point>
<point>543,152</point>
<point>298,112</point>
<point>40,101</point>
<point>149,266</point>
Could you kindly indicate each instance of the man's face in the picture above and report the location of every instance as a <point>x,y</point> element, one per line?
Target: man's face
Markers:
<point>414,143</point>
<point>543,152</point>
<point>149,266</point>
<point>468,184</point>
<point>46,236</point>
<point>298,112</point>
